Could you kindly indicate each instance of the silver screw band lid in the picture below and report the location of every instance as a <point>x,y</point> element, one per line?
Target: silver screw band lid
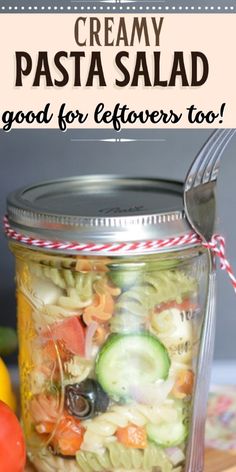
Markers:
<point>99,209</point>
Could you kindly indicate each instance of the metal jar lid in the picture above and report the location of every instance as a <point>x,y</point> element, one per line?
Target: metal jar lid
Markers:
<point>99,209</point>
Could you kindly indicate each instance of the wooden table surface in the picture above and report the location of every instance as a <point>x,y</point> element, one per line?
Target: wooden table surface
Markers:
<point>215,461</point>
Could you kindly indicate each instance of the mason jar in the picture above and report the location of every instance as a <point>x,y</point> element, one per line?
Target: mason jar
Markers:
<point>112,308</point>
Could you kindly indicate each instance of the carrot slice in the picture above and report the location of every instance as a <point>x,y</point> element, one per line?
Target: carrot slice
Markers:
<point>185,305</point>
<point>184,384</point>
<point>68,436</point>
<point>132,436</point>
<point>67,431</point>
<point>83,264</point>
<point>46,427</point>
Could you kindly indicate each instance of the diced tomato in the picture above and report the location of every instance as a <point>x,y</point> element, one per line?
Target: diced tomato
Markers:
<point>51,349</point>
<point>185,305</point>
<point>68,436</point>
<point>184,384</point>
<point>69,335</point>
<point>132,436</point>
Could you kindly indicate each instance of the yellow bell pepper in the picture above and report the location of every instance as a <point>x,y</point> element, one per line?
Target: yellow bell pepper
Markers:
<point>6,392</point>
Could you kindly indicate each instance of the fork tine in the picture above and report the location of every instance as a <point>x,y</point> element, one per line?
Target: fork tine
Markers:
<point>212,152</point>
<point>206,153</point>
<point>211,156</point>
<point>197,168</point>
<point>193,170</point>
<point>214,163</point>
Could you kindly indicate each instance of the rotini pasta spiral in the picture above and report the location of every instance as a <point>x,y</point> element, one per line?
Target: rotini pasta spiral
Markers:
<point>66,278</point>
<point>100,430</point>
<point>133,306</point>
<point>116,456</point>
<point>77,369</point>
<point>102,307</point>
<point>78,287</point>
<point>46,462</point>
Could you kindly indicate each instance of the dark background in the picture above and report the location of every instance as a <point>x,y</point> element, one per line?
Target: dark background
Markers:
<point>28,156</point>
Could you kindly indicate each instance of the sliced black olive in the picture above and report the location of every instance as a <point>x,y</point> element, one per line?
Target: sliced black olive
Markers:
<point>86,399</point>
<point>78,404</point>
<point>102,399</point>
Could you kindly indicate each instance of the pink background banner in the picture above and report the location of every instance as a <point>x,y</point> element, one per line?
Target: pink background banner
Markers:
<point>96,70</point>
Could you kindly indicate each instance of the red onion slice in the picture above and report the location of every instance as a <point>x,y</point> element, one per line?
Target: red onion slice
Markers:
<point>90,332</point>
<point>175,455</point>
<point>152,394</point>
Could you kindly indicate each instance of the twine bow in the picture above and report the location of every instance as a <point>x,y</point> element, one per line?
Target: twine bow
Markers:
<point>218,247</point>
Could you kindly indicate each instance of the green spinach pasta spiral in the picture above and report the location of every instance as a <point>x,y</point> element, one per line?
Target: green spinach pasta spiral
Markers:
<point>117,456</point>
<point>78,287</point>
<point>134,304</point>
<point>46,462</point>
<point>64,277</point>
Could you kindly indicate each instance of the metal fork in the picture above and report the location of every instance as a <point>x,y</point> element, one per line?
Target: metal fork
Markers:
<point>200,209</point>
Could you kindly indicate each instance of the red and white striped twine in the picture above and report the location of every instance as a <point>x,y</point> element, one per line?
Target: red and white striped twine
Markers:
<point>216,245</point>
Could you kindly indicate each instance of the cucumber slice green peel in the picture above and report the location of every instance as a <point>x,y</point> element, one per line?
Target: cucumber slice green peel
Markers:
<point>124,279</point>
<point>131,359</point>
<point>127,275</point>
<point>167,435</point>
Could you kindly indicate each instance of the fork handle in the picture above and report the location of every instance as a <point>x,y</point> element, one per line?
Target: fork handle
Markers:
<point>195,452</point>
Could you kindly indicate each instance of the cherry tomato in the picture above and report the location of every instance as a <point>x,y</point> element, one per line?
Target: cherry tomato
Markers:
<point>69,333</point>
<point>12,444</point>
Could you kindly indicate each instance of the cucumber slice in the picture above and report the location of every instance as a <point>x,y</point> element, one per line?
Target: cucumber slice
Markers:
<point>167,434</point>
<point>131,359</point>
<point>124,278</point>
<point>126,275</point>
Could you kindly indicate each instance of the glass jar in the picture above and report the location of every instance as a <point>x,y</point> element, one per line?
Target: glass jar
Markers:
<point>109,338</point>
